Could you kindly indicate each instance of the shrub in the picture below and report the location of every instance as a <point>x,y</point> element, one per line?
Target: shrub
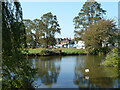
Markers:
<point>50,52</point>
<point>92,51</point>
<point>47,52</point>
<point>112,58</point>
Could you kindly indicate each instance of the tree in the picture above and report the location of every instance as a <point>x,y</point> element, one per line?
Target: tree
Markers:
<point>101,32</point>
<point>42,31</point>
<point>112,58</point>
<point>38,28</point>
<point>91,12</point>
<point>29,34</point>
<point>16,70</point>
<point>51,27</point>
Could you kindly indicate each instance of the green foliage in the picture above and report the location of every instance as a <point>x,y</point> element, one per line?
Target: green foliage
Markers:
<point>17,71</point>
<point>42,31</point>
<point>93,29</point>
<point>56,51</point>
<point>91,12</point>
<point>91,50</point>
<point>50,52</point>
<point>95,51</point>
<point>28,32</point>
<point>47,52</point>
<point>101,32</point>
<point>51,28</point>
<point>112,58</point>
<point>72,51</point>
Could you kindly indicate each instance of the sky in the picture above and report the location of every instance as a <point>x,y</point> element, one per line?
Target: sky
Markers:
<point>65,12</point>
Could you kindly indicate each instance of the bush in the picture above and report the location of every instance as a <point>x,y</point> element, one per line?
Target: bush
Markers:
<point>47,52</point>
<point>95,51</point>
<point>50,52</point>
<point>57,51</point>
<point>92,51</point>
<point>112,58</point>
<point>105,50</point>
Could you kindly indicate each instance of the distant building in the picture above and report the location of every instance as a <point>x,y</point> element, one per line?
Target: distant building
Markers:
<point>68,43</point>
<point>107,44</point>
<point>64,43</point>
<point>80,44</point>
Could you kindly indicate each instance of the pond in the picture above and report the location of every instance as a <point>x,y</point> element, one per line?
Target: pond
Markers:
<point>69,72</point>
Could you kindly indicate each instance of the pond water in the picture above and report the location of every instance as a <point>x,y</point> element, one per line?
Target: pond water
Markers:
<point>69,72</point>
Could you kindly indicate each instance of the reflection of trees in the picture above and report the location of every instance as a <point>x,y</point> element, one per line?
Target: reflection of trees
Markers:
<point>98,76</point>
<point>79,69</point>
<point>48,69</point>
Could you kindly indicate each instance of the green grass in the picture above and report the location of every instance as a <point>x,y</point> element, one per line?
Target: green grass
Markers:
<point>37,50</point>
<point>65,50</point>
<point>33,51</point>
<point>72,50</point>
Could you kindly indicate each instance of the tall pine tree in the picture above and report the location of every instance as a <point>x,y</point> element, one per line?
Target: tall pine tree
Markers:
<point>91,12</point>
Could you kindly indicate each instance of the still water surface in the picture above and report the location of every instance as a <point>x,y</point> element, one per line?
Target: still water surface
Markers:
<point>69,72</point>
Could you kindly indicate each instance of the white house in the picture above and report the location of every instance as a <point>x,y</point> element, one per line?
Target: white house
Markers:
<point>58,45</point>
<point>105,44</point>
<point>80,44</point>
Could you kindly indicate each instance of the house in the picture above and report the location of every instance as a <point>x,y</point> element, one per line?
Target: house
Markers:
<point>68,43</point>
<point>58,46</point>
<point>80,44</point>
<point>107,44</point>
<point>64,43</point>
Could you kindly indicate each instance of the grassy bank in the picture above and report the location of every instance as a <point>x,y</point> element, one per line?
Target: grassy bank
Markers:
<point>59,51</point>
<point>72,50</point>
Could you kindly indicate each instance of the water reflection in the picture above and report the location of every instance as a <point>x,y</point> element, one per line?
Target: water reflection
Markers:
<point>103,77</point>
<point>69,72</point>
<point>48,70</point>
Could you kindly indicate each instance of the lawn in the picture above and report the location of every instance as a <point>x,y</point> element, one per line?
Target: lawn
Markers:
<point>65,50</point>
<point>72,50</point>
<point>33,51</point>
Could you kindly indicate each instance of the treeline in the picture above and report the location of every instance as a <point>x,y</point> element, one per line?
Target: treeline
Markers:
<point>41,31</point>
<point>92,27</point>
<point>101,35</point>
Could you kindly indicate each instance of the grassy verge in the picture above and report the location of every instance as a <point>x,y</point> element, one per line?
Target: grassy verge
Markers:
<point>32,51</point>
<point>67,51</point>
<point>72,50</point>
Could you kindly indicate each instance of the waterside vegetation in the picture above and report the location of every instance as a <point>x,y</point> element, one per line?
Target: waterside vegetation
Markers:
<point>51,52</point>
<point>112,59</point>
<point>19,35</point>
